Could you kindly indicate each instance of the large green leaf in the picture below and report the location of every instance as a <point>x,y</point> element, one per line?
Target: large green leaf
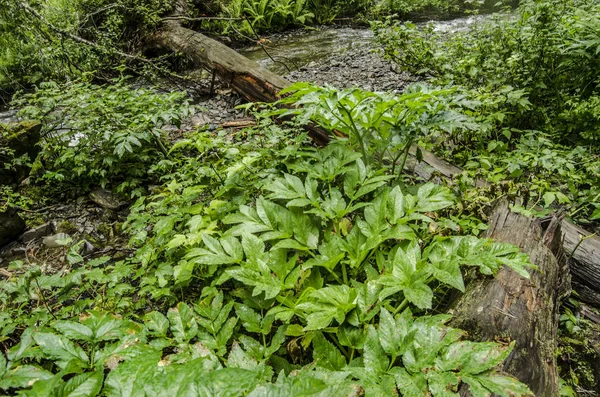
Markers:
<point>60,349</point>
<point>83,385</point>
<point>22,376</point>
<point>129,378</point>
<point>326,355</point>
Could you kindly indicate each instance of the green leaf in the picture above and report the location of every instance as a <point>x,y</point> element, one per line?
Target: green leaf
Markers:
<point>157,324</point>
<point>73,330</point>
<point>472,357</point>
<point>84,385</point>
<point>549,198</point>
<point>410,385</point>
<point>183,323</point>
<point>23,376</point>
<point>373,355</point>
<point>326,304</point>
<point>504,386</point>
<point>431,197</point>
<point>60,349</point>
<point>228,250</point>
<point>395,335</point>
<point>443,384</point>
<point>326,355</point>
<point>129,378</point>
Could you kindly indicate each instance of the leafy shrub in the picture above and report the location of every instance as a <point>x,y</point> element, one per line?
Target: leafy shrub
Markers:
<point>101,135</point>
<point>414,8</point>
<point>546,49</point>
<point>289,269</point>
<point>261,15</point>
<point>381,126</point>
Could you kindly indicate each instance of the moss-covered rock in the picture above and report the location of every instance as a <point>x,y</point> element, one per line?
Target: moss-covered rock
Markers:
<point>11,226</point>
<point>17,139</point>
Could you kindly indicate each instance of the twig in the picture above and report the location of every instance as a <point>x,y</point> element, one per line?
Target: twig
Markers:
<point>581,240</point>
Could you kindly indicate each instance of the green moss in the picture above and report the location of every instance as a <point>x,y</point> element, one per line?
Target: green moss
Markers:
<point>66,226</point>
<point>106,230</point>
<point>11,131</point>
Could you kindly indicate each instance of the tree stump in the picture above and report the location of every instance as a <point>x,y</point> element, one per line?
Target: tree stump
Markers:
<point>512,308</point>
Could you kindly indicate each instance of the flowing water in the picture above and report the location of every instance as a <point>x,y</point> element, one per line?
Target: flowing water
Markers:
<point>300,48</point>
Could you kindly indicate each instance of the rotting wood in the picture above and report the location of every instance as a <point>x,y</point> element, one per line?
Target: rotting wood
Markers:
<point>512,308</point>
<point>240,123</point>
<point>252,81</point>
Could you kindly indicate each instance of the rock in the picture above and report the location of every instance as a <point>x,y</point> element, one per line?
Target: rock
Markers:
<point>21,138</point>
<point>106,199</point>
<point>37,232</point>
<point>88,248</point>
<point>11,226</point>
<point>54,241</point>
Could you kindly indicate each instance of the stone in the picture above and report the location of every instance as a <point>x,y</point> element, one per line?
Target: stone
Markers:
<point>22,138</point>
<point>105,199</point>
<point>37,232</point>
<point>11,226</point>
<point>55,240</point>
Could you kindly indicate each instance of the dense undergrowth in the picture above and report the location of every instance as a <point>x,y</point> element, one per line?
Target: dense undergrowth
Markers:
<point>292,269</point>
<point>533,79</point>
<point>63,40</point>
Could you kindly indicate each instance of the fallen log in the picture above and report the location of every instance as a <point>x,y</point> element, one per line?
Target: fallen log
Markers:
<point>512,308</point>
<point>249,79</point>
<point>583,250</point>
<point>581,247</point>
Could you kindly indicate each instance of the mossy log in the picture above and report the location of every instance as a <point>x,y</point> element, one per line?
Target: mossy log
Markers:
<point>512,308</point>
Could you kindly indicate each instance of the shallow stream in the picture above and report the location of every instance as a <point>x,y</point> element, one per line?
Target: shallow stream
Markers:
<point>298,49</point>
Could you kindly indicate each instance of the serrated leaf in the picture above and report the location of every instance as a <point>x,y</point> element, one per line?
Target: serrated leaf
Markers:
<point>410,385</point>
<point>73,330</point>
<point>373,355</point>
<point>183,323</point>
<point>23,376</point>
<point>83,385</point>
<point>326,355</point>
<point>157,324</point>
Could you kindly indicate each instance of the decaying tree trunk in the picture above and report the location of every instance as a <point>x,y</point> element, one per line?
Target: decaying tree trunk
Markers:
<point>583,249</point>
<point>512,308</point>
<point>249,79</point>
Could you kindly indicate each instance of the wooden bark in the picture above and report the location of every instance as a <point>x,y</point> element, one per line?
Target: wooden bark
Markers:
<point>584,261</point>
<point>246,77</point>
<point>584,254</point>
<point>512,308</point>
<point>252,81</point>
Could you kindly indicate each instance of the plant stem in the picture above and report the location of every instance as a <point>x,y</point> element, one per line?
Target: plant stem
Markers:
<point>358,135</point>
<point>401,306</point>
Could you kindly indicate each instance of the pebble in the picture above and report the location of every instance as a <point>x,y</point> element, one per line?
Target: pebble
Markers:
<point>54,241</point>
